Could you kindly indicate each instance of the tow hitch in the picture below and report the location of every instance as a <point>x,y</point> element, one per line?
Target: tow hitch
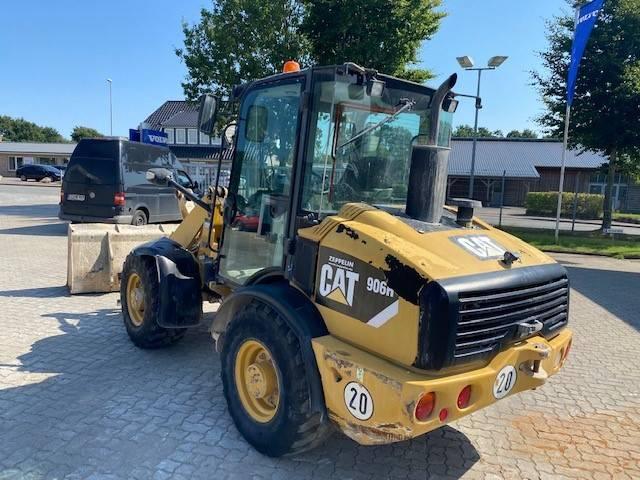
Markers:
<point>532,367</point>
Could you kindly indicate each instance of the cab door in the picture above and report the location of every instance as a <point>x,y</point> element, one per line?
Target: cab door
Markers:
<point>260,187</point>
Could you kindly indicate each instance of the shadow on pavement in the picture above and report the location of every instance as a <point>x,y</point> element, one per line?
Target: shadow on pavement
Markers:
<point>47,230</point>
<point>616,291</point>
<point>40,210</point>
<point>37,292</point>
<point>90,402</point>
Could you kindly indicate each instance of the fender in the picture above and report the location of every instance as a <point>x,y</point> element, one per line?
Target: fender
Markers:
<point>179,282</point>
<point>301,316</point>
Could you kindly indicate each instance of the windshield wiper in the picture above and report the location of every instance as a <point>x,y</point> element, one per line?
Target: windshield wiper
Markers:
<point>408,103</point>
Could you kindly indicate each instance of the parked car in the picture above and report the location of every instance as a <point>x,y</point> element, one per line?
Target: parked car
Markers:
<point>38,172</point>
<point>105,182</point>
<point>62,168</point>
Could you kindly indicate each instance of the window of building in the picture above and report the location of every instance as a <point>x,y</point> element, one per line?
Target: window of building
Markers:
<point>170,135</point>
<point>15,163</point>
<point>602,178</point>
<point>180,135</point>
<point>46,161</point>
<point>192,136</point>
<point>65,160</point>
<point>204,138</point>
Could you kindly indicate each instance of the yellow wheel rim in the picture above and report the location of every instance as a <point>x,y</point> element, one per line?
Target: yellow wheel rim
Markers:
<point>135,299</point>
<point>257,381</point>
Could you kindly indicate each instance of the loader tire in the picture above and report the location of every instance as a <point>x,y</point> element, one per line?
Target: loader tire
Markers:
<point>290,427</point>
<point>141,304</point>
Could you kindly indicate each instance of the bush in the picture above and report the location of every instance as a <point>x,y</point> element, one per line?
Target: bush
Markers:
<point>545,204</point>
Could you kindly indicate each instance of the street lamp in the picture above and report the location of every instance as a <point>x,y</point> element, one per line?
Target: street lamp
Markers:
<point>109,81</point>
<point>466,63</point>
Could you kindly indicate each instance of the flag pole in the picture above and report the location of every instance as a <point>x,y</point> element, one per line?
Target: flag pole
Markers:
<point>565,139</point>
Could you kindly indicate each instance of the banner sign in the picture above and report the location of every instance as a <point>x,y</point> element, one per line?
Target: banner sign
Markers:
<point>154,137</point>
<point>586,17</point>
<point>134,135</point>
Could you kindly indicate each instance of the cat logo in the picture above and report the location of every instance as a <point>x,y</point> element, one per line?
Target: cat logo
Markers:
<point>338,280</point>
<point>355,288</point>
<point>481,246</point>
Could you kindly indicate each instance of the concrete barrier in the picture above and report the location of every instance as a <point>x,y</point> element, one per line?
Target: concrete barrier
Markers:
<point>96,252</point>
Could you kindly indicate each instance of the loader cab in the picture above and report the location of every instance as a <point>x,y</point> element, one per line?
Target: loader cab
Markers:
<point>300,154</point>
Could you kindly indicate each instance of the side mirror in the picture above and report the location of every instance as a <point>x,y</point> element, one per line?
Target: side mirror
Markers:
<point>375,87</point>
<point>207,113</point>
<point>159,176</point>
<point>450,105</point>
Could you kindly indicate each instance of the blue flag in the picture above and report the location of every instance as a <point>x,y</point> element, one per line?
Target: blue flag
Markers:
<point>586,17</point>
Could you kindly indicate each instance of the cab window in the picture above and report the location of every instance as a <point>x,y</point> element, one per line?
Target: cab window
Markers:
<point>261,180</point>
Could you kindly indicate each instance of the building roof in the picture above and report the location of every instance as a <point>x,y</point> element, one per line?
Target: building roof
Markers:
<point>187,118</point>
<point>168,109</point>
<point>37,148</point>
<point>518,157</point>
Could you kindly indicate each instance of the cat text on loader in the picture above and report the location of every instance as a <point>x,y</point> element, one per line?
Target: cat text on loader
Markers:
<point>350,296</point>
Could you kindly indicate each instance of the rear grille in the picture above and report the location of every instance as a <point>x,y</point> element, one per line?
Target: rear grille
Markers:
<point>490,318</point>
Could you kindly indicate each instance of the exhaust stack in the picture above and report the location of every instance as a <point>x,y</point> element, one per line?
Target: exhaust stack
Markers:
<point>429,166</point>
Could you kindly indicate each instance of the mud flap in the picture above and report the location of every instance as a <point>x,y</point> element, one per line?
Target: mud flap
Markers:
<point>181,298</point>
<point>179,283</point>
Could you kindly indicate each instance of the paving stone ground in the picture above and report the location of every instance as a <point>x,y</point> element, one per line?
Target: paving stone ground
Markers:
<point>77,400</point>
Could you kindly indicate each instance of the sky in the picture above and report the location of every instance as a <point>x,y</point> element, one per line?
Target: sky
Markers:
<point>56,57</point>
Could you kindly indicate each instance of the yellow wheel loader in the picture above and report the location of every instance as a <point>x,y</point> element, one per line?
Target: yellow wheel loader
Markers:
<point>351,295</point>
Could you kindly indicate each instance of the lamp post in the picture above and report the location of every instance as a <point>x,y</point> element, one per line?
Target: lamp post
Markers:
<point>109,81</point>
<point>466,63</point>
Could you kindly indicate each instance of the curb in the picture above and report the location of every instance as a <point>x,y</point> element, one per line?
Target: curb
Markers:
<point>591,254</point>
<point>31,184</point>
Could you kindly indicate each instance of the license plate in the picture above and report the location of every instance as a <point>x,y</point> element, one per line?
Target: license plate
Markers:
<point>76,198</point>
<point>505,380</point>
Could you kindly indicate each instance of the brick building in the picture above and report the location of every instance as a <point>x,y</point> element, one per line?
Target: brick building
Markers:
<point>531,165</point>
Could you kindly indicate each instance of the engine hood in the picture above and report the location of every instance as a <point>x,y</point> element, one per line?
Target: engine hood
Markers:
<point>393,243</point>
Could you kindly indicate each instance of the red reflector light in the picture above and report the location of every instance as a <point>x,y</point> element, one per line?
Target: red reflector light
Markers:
<point>118,199</point>
<point>444,413</point>
<point>61,196</point>
<point>425,405</point>
<point>464,397</point>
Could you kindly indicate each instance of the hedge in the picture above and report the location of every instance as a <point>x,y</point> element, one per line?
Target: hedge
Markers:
<point>546,203</point>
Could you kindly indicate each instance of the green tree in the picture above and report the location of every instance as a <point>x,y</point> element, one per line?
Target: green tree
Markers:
<point>605,115</point>
<point>20,130</point>
<point>526,133</point>
<point>380,34</point>
<point>466,131</point>
<point>240,40</point>
<point>80,132</point>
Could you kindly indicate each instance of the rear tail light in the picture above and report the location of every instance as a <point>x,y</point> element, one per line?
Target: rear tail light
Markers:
<point>444,414</point>
<point>118,199</point>
<point>424,407</point>
<point>464,397</point>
